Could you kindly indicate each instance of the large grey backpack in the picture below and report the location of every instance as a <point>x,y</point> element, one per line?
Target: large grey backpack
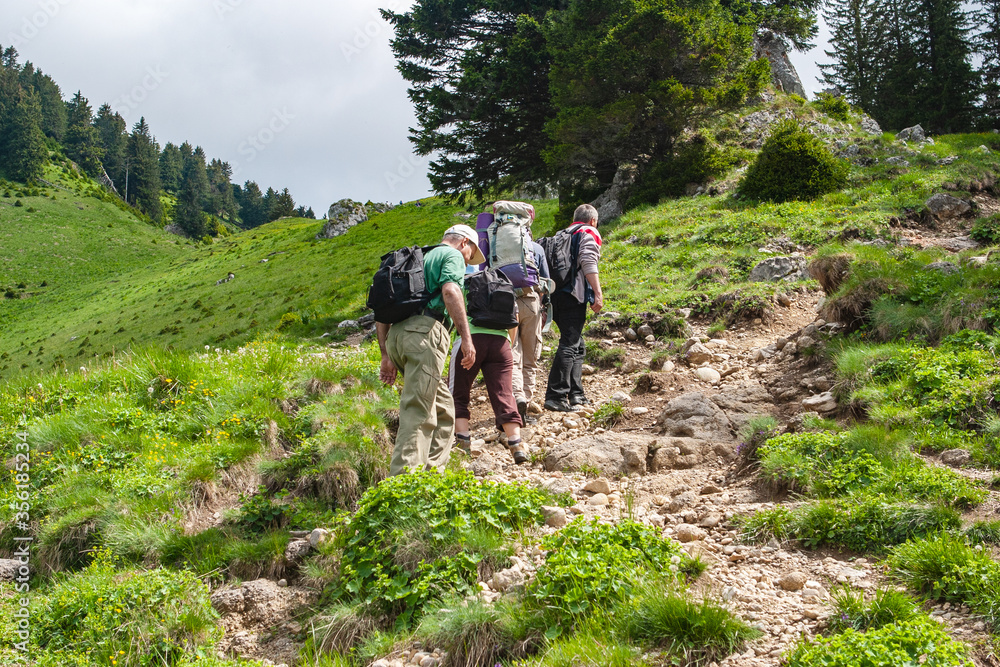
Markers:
<point>510,243</point>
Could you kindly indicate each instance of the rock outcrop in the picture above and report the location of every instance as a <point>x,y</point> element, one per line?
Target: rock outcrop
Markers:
<point>767,44</point>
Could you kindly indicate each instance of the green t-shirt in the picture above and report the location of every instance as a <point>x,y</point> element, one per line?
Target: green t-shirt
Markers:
<point>473,329</point>
<point>443,264</point>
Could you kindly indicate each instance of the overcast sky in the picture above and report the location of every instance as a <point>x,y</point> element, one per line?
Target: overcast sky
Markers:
<point>299,94</point>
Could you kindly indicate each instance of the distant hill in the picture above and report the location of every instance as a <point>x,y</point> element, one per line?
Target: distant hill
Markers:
<point>114,282</point>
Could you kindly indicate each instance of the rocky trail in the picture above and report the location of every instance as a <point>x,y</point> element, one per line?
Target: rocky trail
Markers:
<point>670,462</point>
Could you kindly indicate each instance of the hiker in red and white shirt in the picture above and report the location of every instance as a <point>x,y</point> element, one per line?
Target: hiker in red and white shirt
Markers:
<point>569,305</point>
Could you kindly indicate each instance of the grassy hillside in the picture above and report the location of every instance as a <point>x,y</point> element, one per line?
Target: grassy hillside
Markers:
<point>171,298</point>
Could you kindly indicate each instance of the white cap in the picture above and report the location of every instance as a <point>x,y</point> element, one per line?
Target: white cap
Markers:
<point>472,235</point>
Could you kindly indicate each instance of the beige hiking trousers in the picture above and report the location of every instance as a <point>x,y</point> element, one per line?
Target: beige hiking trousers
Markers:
<point>418,347</point>
<point>527,346</point>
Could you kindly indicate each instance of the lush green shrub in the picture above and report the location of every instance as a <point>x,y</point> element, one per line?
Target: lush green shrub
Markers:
<point>134,617</point>
<point>833,106</point>
<point>421,536</point>
<point>695,160</point>
<point>919,641</point>
<point>869,459</point>
<point>987,230</point>
<point>593,565</point>
<point>851,612</point>
<point>864,524</point>
<point>793,164</point>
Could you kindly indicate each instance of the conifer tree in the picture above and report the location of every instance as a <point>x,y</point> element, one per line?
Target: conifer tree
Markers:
<point>82,140</point>
<point>269,204</point>
<point>143,171</point>
<point>253,209</point>
<point>221,200</point>
<point>171,168</point>
<point>857,40</point>
<point>283,206</point>
<point>22,143</point>
<point>193,196</point>
<point>54,116</point>
<point>113,140</point>
<point>948,84</point>
<point>987,43</point>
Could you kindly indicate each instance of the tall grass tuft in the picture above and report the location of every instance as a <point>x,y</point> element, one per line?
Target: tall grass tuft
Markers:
<point>694,632</point>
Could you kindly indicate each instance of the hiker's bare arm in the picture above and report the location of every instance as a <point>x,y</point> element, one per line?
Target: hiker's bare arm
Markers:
<point>595,284</point>
<point>455,303</point>
<point>387,371</point>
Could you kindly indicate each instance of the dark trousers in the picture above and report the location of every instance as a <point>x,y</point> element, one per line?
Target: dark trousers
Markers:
<point>565,378</point>
<point>495,359</point>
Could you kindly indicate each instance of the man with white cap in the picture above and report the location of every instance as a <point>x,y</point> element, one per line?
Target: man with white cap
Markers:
<point>418,346</point>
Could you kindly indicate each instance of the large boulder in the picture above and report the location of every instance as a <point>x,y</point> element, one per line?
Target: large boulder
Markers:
<point>343,215</point>
<point>915,133</point>
<point>614,454</point>
<point>744,403</point>
<point>780,268</point>
<point>945,207</point>
<point>767,44</point>
<point>695,416</point>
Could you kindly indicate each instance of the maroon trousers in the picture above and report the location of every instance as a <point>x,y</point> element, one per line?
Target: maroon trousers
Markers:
<point>495,359</point>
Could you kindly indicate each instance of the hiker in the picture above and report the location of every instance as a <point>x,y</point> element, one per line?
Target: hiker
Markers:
<point>569,306</point>
<point>418,346</point>
<point>493,324</point>
<point>528,339</point>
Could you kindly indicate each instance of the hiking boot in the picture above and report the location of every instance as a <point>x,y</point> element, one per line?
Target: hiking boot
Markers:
<point>522,409</point>
<point>558,405</point>
<point>517,451</point>
<point>464,442</point>
<point>579,400</point>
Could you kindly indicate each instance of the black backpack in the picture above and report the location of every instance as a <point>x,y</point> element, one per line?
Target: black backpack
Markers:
<point>562,253</point>
<point>491,300</point>
<point>398,290</point>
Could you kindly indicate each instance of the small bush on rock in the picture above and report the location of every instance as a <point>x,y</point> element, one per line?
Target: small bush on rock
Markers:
<point>833,106</point>
<point>793,164</point>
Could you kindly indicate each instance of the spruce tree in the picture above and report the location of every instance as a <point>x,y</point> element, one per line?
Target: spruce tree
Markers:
<point>948,84</point>
<point>268,204</point>
<point>171,168</point>
<point>82,140</point>
<point>987,43</point>
<point>22,146</point>
<point>143,171</point>
<point>54,116</point>
<point>113,140</point>
<point>858,33</point>
<point>192,198</point>
<point>253,210</point>
<point>284,205</point>
<point>221,200</point>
